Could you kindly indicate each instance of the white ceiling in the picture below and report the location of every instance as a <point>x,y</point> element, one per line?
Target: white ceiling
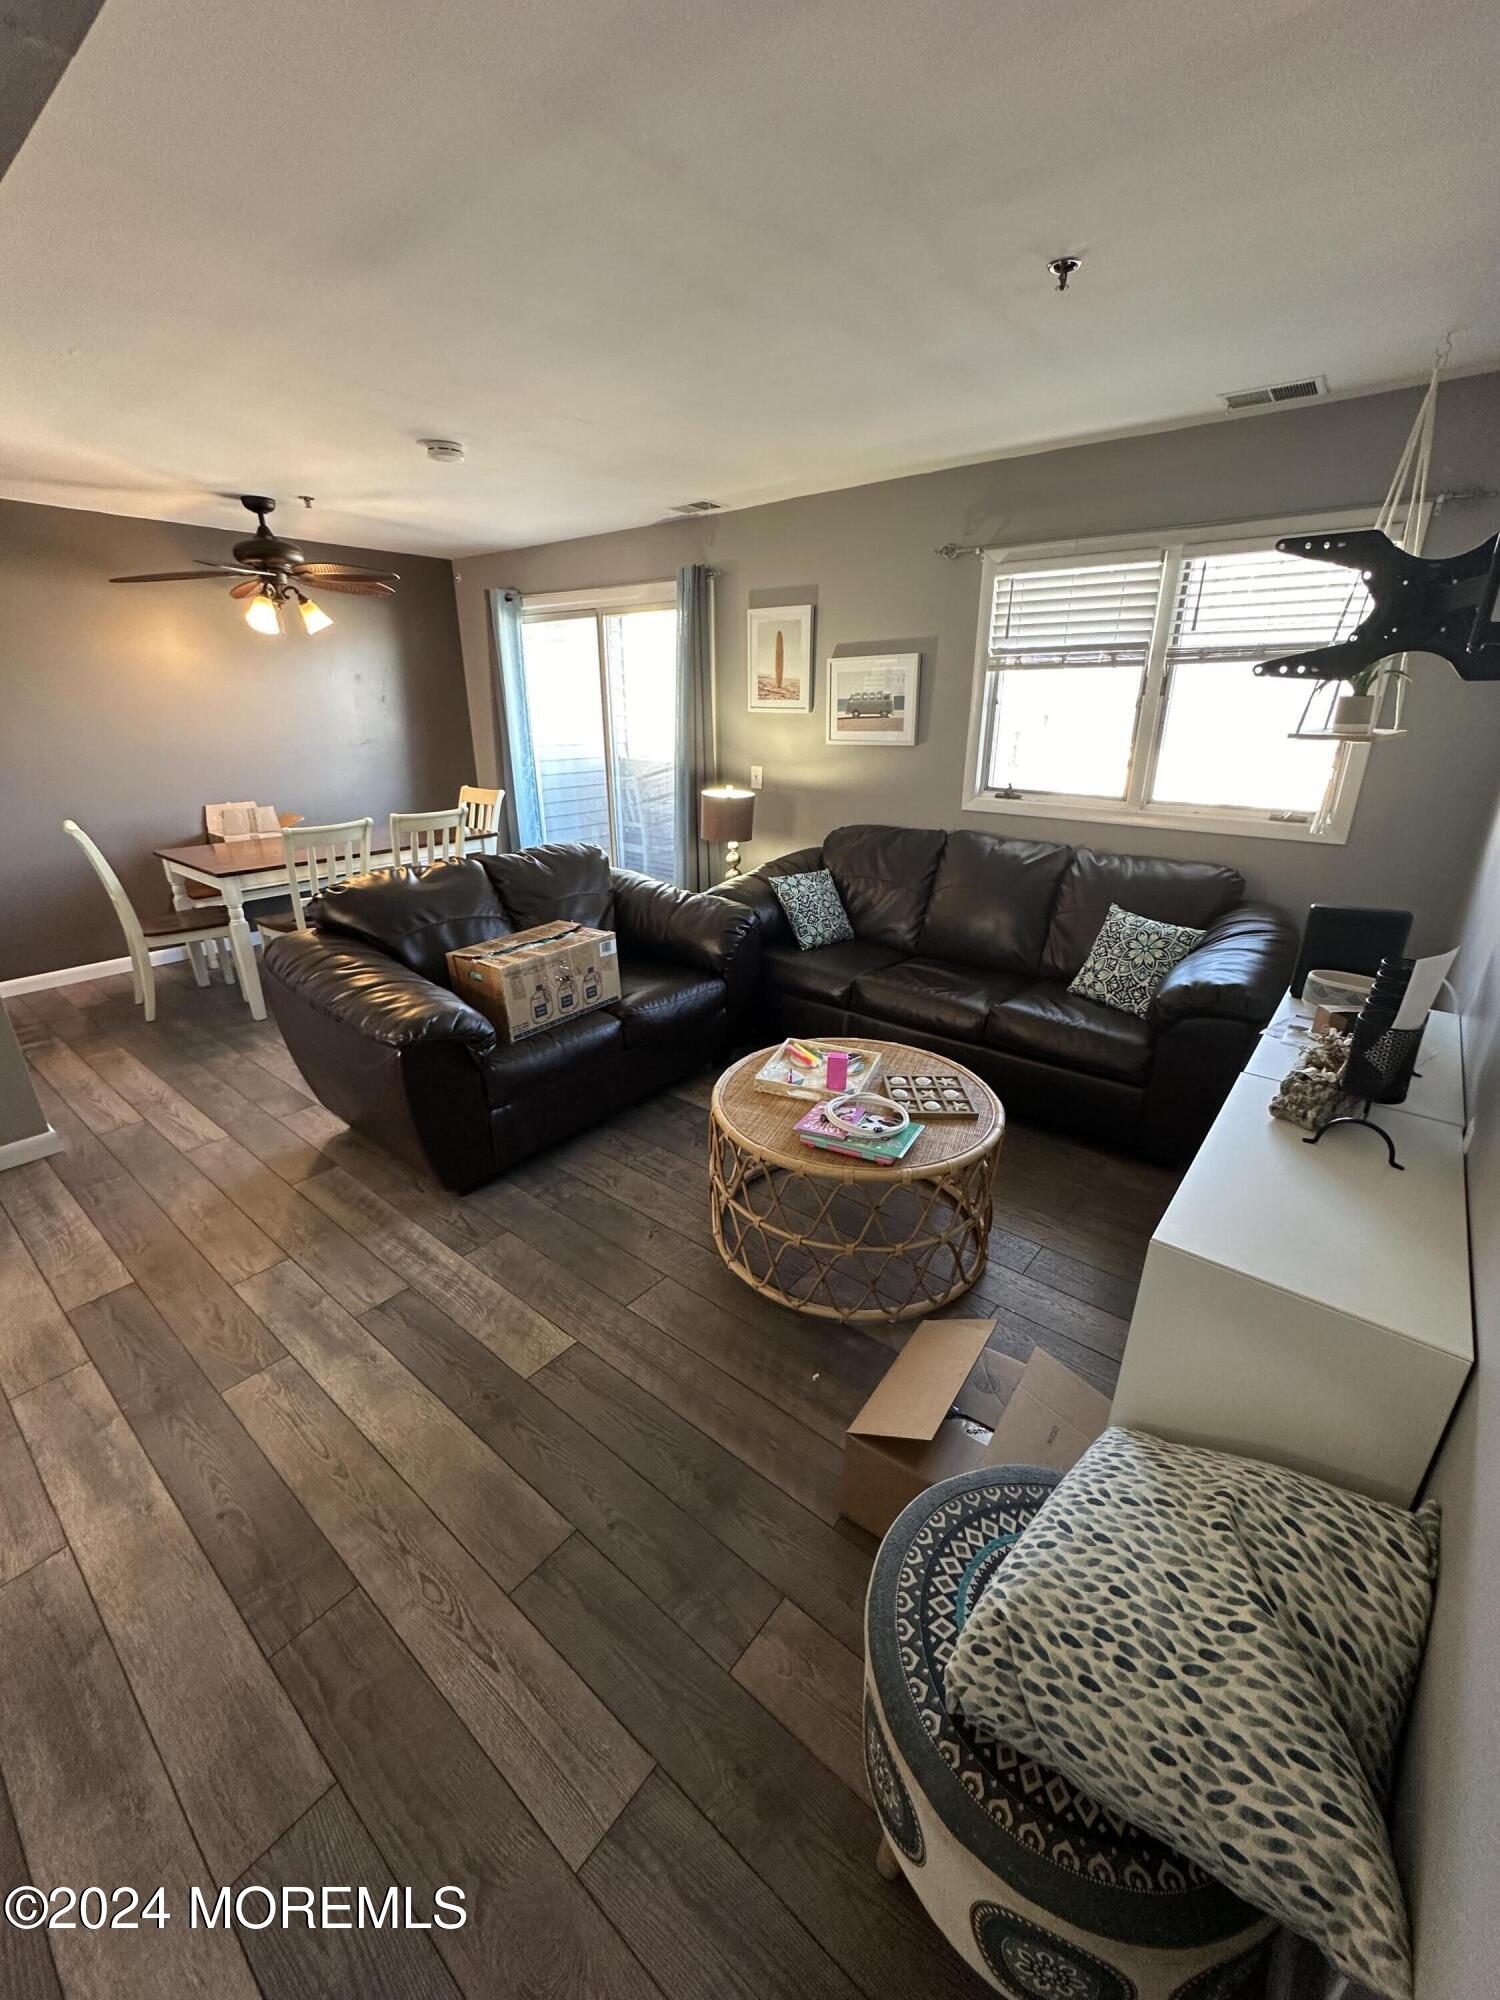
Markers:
<point>636,252</point>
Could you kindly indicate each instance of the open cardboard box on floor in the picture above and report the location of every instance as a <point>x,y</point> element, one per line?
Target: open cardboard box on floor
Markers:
<point>948,1403</point>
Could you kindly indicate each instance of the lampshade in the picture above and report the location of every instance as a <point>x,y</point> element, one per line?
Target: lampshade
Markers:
<point>727,812</point>
<point>314,617</point>
<point>262,614</point>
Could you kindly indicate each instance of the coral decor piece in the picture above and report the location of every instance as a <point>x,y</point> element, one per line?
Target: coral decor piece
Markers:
<point>1310,1092</point>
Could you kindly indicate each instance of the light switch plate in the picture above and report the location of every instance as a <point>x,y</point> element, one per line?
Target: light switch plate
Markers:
<point>755,777</point>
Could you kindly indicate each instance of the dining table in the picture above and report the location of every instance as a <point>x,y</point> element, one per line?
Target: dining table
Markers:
<point>250,871</point>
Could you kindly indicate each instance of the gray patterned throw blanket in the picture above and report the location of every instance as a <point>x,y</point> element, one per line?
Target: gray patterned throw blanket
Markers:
<point>1223,1651</point>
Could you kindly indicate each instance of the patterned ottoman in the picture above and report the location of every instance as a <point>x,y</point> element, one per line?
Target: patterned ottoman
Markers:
<point>1046,1894</point>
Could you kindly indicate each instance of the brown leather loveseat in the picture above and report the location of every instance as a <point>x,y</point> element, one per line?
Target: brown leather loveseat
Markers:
<point>965,943</point>
<point>363,1003</point>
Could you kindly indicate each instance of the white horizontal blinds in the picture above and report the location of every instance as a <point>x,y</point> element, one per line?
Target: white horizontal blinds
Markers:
<point>1257,604</point>
<point>1092,615</point>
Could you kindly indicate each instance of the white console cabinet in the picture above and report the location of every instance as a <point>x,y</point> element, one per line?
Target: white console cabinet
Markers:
<point>1308,1304</point>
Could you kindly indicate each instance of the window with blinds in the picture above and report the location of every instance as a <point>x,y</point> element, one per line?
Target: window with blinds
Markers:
<point>1095,615</point>
<point>1226,737</point>
<point>1068,647</point>
<point>1121,684</point>
<point>1251,604</point>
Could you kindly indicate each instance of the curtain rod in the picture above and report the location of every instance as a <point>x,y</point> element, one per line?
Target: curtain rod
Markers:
<point>1460,494</point>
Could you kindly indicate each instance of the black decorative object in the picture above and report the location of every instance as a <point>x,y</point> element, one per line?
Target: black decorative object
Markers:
<point>1341,937</point>
<point>1382,1057</point>
<point>1418,604</point>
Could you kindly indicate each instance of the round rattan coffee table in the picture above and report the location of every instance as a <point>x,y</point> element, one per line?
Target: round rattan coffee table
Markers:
<point>827,1234</point>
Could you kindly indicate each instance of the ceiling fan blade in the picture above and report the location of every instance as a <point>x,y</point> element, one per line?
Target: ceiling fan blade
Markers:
<point>248,588</point>
<point>352,586</point>
<point>322,570</point>
<point>171,576</point>
<point>228,569</point>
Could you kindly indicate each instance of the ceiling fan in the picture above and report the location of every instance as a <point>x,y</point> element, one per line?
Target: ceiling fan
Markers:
<point>271,571</point>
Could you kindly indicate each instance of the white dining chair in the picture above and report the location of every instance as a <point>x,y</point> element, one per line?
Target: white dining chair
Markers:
<point>481,810</point>
<point>431,836</point>
<point>193,929</point>
<point>320,857</point>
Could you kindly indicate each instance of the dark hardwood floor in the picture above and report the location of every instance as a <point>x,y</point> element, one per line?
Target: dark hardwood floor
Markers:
<point>352,1532</point>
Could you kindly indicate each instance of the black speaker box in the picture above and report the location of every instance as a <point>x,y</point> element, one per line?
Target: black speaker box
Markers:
<point>1340,938</point>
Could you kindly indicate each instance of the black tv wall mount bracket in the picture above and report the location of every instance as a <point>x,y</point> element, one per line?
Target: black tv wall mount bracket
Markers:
<point>1418,604</point>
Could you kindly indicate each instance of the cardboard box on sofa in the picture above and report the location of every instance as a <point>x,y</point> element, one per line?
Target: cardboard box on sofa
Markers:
<point>948,1404</point>
<point>529,981</point>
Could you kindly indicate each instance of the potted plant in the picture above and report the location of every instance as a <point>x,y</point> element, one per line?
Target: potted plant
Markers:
<point>1354,713</point>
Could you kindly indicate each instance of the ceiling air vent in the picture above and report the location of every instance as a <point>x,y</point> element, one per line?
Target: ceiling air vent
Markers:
<point>697,507</point>
<point>1276,392</point>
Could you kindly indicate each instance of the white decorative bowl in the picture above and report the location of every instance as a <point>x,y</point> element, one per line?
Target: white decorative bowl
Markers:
<point>1339,992</point>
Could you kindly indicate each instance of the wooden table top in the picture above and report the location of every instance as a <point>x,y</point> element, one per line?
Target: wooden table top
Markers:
<point>761,1122</point>
<point>245,857</point>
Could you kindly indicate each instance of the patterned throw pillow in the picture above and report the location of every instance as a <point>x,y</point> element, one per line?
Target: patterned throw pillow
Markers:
<point>813,909</point>
<point>1130,958</point>
<point>1222,1651</point>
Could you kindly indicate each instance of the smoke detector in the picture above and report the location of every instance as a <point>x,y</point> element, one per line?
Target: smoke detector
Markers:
<point>1301,391</point>
<point>697,507</point>
<point>447,451</point>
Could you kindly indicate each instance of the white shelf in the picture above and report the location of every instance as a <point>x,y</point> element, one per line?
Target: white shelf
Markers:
<point>1342,735</point>
<point>1309,1305</point>
<point>1334,1223</point>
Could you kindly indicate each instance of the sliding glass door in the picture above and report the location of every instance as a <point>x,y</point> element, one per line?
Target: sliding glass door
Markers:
<point>593,728</point>
<point>566,720</point>
<point>640,678</point>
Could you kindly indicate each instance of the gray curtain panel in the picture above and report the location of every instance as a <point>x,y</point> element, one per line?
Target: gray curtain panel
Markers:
<point>522,810</point>
<point>697,751</point>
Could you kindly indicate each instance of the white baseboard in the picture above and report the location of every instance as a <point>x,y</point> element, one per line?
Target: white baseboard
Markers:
<point>74,975</point>
<point>37,1147</point>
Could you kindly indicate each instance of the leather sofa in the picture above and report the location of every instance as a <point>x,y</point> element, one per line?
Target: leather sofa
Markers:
<point>965,944</point>
<point>363,1003</point>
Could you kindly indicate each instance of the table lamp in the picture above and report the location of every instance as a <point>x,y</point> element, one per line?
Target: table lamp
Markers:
<point>727,814</point>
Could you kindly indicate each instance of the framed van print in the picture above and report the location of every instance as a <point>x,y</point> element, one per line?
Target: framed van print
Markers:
<point>778,648</point>
<point>872,701</point>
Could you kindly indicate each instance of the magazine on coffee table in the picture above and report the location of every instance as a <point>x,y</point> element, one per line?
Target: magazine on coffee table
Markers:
<point>813,1129</point>
<point>788,1072</point>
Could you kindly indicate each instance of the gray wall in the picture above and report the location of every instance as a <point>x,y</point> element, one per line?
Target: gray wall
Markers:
<point>865,557</point>
<point>1447,1819</point>
<point>38,39</point>
<point>130,708</point>
<point>20,1114</point>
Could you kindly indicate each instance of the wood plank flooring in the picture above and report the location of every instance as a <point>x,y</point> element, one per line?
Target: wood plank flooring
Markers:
<point>353,1532</point>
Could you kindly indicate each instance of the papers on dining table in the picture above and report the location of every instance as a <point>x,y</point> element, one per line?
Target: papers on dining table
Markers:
<point>241,819</point>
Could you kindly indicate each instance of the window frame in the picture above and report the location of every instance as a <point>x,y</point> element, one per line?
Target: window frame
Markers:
<point>1171,547</point>
<point>558,606</point>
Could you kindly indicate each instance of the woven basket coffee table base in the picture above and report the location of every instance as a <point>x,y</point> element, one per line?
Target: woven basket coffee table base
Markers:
<point>831,1236</point>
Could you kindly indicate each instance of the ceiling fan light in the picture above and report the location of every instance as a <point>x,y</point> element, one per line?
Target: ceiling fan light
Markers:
<point>262,614</point>
<point>314,617</point>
